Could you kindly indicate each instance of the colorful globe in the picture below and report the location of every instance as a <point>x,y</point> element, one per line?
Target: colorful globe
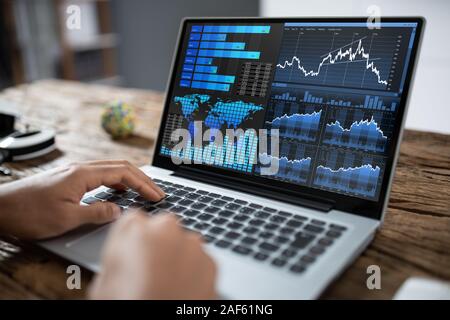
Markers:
<point>119,120</point>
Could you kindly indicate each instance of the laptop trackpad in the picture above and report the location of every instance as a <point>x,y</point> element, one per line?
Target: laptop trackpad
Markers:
<point>90,245</point>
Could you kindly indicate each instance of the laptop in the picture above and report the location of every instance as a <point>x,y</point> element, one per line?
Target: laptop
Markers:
<point>278,143</point>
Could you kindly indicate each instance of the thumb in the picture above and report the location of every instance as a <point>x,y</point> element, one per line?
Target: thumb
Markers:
<point>99,213</point>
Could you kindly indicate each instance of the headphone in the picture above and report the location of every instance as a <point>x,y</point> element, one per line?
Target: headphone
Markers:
<point>27,145</point>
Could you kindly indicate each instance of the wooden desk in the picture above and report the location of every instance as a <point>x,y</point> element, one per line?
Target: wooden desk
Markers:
<point>414,241</point>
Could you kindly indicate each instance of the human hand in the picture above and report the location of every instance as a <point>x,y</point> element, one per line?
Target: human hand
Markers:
<point>48,204</point>
<point>153,258</point>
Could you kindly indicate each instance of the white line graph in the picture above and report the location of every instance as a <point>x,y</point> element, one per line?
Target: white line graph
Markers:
<point>353,56</point>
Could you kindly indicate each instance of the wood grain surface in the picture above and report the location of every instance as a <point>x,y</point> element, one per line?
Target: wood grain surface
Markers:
<point>414,240</point>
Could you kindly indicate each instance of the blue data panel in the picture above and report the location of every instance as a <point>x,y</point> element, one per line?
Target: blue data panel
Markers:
<point>189,60</point>
<point>188,68</point>
<point>191,52</point>
<point>185,83</point>
<point>193,44</point>
<point>222,45</point>
<point>214,77</point>
<point>229,54</point>
<point>204,60</point>
<point>237,29</point>
<point>195,36</point>
<point>186,75</point>
<point>214,37</point>
<point>210,86</point>
<point>197,28</point>
<point>207,69</point>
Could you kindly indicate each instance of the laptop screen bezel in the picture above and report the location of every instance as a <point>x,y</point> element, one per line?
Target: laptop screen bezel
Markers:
<point>346,203</point>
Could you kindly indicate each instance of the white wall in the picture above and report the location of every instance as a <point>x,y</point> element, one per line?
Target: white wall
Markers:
<point>429,101</point>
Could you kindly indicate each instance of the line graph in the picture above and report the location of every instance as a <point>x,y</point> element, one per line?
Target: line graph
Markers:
<point>348,172</point>
<point>358,129</point>
<point>349,53</point>
<point>347,57</point>
<point>301,126</point>
<point>363,134</point>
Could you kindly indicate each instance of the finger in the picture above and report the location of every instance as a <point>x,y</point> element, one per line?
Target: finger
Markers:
<point>133,168</point>
<point>97,213</point>
<point>109,175</point>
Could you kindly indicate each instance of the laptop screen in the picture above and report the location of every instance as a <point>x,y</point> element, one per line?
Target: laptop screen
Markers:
<point>310,103</point>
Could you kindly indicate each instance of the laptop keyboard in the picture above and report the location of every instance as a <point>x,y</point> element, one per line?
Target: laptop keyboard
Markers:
<point>281,238</point>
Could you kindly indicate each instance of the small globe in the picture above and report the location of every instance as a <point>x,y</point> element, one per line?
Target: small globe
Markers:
<point>119,120</point>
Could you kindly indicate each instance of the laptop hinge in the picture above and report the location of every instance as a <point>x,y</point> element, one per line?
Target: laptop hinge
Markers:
<point>284,195</point>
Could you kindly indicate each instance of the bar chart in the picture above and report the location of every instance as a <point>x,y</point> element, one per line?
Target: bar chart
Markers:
<point>209,46</point>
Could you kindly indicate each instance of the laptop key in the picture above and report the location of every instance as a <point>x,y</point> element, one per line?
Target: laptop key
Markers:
<point>202,192</point>
<point>187,221</point>
<point>262,214</point>
<point>302,240</point>
<point>337,227</point>
<point>150,208</point>
<point>198,206</point>
<point>268,246</point>
<point>192,213</point>
<point>242,202</point>
<point>180,192</point>
<point>123,202</point>
<point>214,195</point>
<point>226,213</point>
<point>318,222</point>
<point>261,256</point>
<point>317,250</point>
<point>178,186</point>
<point>241,217</point>
<point>313,228</point>
<point>218,203</point>
<point>277,219</point>
<point>281,239</point>
<point>307,259</point>
<point>271,226</point>
<point>211,209</point>
<point>201,225</point>
<point>289,253</point>
<point>193,196</point>
<point>298,268</point>
<point>298,217</point>
<point>286,231</point>
<point>178,209</point>
<point>223,244</point>
<point>250,230</point>
<point>266,235</point>
<point>255,206</point>
<point>232,235</point>
<point>256,222</point>
<point>90,200</point>
<point>234,225</point>
<point>325,242</point>
<point>208,239</point>
<point>165,205</point>
<point>189,189</point>
<point>205,199</point>
<point>103,195</point>
<point>227,198</point>
<point>219,221</point>
<point>130,195</point>
<point>140,199</point>
<point>278,262</point>
<point>185,202</point>
<point>232,206</point>
<point>268,209</point>
<point>247,210</point>
<point>216,230</point>
<point>242,250</point>
<point>135,205</point>
<point>249,240</point>
<point>294,223</point>
<point>333,234</point>
<point>172,199</point>
<point>284,213</point>
<point>205,217</point>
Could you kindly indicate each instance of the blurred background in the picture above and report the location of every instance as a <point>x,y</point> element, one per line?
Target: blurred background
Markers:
<point>130,42</point>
